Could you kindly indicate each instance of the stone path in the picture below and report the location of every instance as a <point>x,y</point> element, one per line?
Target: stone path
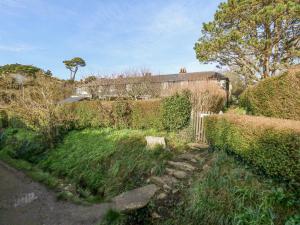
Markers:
<point>24,202</point>
<point>179,175</point>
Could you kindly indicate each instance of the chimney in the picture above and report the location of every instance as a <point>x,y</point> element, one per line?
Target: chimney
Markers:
<point>182,70</point>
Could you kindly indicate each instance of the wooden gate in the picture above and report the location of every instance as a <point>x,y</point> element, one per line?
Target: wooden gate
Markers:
<point>198,125</point>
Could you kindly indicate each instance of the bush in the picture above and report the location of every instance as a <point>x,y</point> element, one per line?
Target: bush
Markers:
<point>122,114</point>
<point>271,145</point>
<point>146,114</point>
<point>88,114</point>
<point>176,111</point>
<point>3,119</point>
<point>274,97</point>
<point>23,144</point>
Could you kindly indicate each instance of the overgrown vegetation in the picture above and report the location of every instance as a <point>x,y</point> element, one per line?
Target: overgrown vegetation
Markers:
<point>230,194</point>
<point>275,97</point>
<point>172,113</point>
<point>101,163</point>
<point>270,145</point>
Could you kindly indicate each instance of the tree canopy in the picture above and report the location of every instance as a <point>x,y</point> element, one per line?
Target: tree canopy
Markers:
<point>73,66</point>
<point>258,37</point>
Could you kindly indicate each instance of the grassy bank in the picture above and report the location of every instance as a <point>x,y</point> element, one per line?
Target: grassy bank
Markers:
<point>230,193</point>
<point>89,163</point>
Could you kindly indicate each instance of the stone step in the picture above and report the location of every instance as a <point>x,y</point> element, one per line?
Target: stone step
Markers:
<point>135,199</point>
<point>198,146</point>
<point>190,157</point>
<point>176,173</point>
<point>161,196</point>
<point>182,166</point>
<point>164,181</point>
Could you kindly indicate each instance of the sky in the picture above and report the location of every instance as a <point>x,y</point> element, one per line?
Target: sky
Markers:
<point>112,36</point>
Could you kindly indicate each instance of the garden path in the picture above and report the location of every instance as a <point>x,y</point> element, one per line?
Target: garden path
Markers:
<point>25,202</point>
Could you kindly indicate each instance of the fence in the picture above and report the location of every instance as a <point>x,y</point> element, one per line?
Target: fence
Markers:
<point>198,125</point>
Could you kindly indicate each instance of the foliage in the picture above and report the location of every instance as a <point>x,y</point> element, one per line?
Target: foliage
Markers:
<point>3,119</point>
<point>122,114</point>
<point>205,95</point>
<point>176,111</point>
<point>237,82</point>
<point>104,162</point>
<point>275,97</point>
<point>256,37</point>
<point>73,65</point>
<point>25,144</point>
<point>19,68</point>
<point>230,194</point>
<point>270,145</point>
<point>147,114</point>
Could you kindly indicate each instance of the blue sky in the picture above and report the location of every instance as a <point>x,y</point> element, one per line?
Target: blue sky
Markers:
<point>111,35</point>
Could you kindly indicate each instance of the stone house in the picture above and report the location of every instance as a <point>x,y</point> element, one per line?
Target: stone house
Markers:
<point>150,86</point>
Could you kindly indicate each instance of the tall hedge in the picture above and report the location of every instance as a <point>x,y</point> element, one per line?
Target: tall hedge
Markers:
<point>147,114</point>
<point>274,97</point>
<point>271,145</point>
<point>176,111</point>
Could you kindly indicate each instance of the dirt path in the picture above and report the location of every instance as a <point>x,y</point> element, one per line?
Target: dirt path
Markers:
<point>24,202</point>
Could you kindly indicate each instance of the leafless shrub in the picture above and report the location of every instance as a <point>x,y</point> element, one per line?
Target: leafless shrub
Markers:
<point>205,95</point>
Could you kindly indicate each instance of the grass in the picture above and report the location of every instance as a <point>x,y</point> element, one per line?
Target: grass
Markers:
<point>231,194</point>
<point>104,162</point>
<point>93,164</point>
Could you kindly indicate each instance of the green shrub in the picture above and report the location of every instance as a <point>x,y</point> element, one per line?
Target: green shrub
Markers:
<point>271,145</point>
<point>147,114</point>
<point>3,119</point>
<point>144,114</point>
<point>23,144</point>
<point>176,111</point>
<point>122,113</point>
<point>274,97</point>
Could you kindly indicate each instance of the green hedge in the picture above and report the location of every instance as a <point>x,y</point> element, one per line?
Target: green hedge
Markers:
<point>176,111</point>
<point>274,97</point>
<point>172,113</point>
<point>147,114</point>
<point>272,145</point>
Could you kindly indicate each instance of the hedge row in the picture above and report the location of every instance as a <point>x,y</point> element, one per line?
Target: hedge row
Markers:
<point>274,97</point>
<point>271,145</point>
<point>172,113</point>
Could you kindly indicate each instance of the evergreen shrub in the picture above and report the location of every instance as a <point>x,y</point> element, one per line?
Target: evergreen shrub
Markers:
<point>270,145</point>
<point>274,97</point>
<point>176,111</point>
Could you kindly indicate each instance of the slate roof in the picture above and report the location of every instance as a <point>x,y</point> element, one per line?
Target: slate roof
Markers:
<point>164,78</point>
